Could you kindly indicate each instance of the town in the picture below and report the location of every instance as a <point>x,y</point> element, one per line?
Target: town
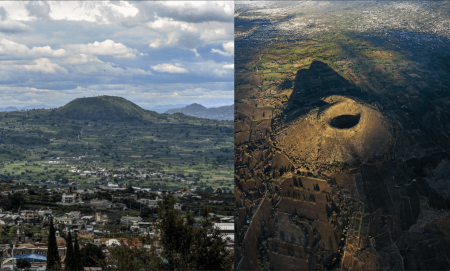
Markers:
<point>104,216</point>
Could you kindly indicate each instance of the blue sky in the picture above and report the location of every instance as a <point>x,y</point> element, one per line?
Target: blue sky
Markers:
<point>152,53</point>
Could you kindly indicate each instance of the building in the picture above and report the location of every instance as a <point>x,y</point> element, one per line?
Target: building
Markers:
<point>72,221</point>
<point>69,199</point>
<point>130,220</point>
<point>117,206</point>
<point>36,253</point>
<point>101,219</point>
<point>227,231</point>
<point>44,212</point>
<point>131,242</point>
<point>150,202</point>
<point>178,206</point>
<point>99,204</point>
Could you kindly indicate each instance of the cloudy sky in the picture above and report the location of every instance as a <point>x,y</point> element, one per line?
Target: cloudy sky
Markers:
<point>152,53</point>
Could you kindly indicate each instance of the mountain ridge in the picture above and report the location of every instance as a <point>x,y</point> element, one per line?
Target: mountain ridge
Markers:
<point>200,111</point>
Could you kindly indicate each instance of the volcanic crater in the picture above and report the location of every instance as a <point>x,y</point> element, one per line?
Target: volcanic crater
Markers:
<point>343,130</point>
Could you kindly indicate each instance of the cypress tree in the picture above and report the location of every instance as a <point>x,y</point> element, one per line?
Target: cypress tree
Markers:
<point>53,260</point>
<point>69,261</point>
<point>78,263</point>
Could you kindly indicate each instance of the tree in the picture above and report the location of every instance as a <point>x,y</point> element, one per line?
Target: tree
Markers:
<point>78,265</point>
<point>22,264</point>
<point>131,257</point>
<point>53,260</point>
<point>91,255</point>
<point>70,260</point>
<point>186,245</point>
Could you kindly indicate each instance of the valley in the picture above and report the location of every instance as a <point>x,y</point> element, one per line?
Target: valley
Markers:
<point>73,146</point>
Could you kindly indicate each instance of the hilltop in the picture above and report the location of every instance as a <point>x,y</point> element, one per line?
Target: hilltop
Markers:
<point>199,111</point>
<point>110,108</point>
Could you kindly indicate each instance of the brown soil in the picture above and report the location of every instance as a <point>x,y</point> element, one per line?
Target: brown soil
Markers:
<point>347,131</point>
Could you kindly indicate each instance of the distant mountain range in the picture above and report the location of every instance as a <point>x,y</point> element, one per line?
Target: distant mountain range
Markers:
<point>199,111</point>
<point>163,108</point>
<point>38,106</point>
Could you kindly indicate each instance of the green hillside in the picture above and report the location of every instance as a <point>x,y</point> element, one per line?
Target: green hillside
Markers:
<point>108,108</point>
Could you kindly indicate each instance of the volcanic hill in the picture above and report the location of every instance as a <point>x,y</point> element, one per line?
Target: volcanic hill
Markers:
<point>332,175</point>
<point>107,108</point>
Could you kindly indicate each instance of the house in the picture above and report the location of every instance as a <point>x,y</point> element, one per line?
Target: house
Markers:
<point>178,194</point>
<point>10,219</point>
<point>118,206</point>
<point>76,226</point>
<point>101,219</point>
<point>178,206</point>
<point>227,231</point>
<point>131,242</point>
<point>144,227</point>
<point>44,212</point>
<point>130,220</point>
<point>149,202</point>
<point>111,185</point>
<point>29,216</point>
<point>87,218</point>
<point>74,214</point>
<point>4,248</point>
<point>97,242</point>
<point>99,204</point>
<point>71,199</point>
<point>64,220</point>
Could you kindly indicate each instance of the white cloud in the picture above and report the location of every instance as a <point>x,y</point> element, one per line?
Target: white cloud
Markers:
<point>44,65</point>
<point>11,49</point>
<point>123,8</point>
<point>38,9</point>
<point>16,10</point>
<point>96,67</point>
<point>83,59</point>
<point>170,68</point>
<point>195,52</point>
<point>107,47</point>
<point>228,66</point>
<point>104,12</point>
<point>75,10</point>
<point>228,47</point>
<point>188,35</point>
<point>157,43</point>
<point>9,26</point>
<point>213,69</point>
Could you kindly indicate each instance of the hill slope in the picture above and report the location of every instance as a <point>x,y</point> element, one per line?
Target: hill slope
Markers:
<point>199,111</point>
<point>110,108</point>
